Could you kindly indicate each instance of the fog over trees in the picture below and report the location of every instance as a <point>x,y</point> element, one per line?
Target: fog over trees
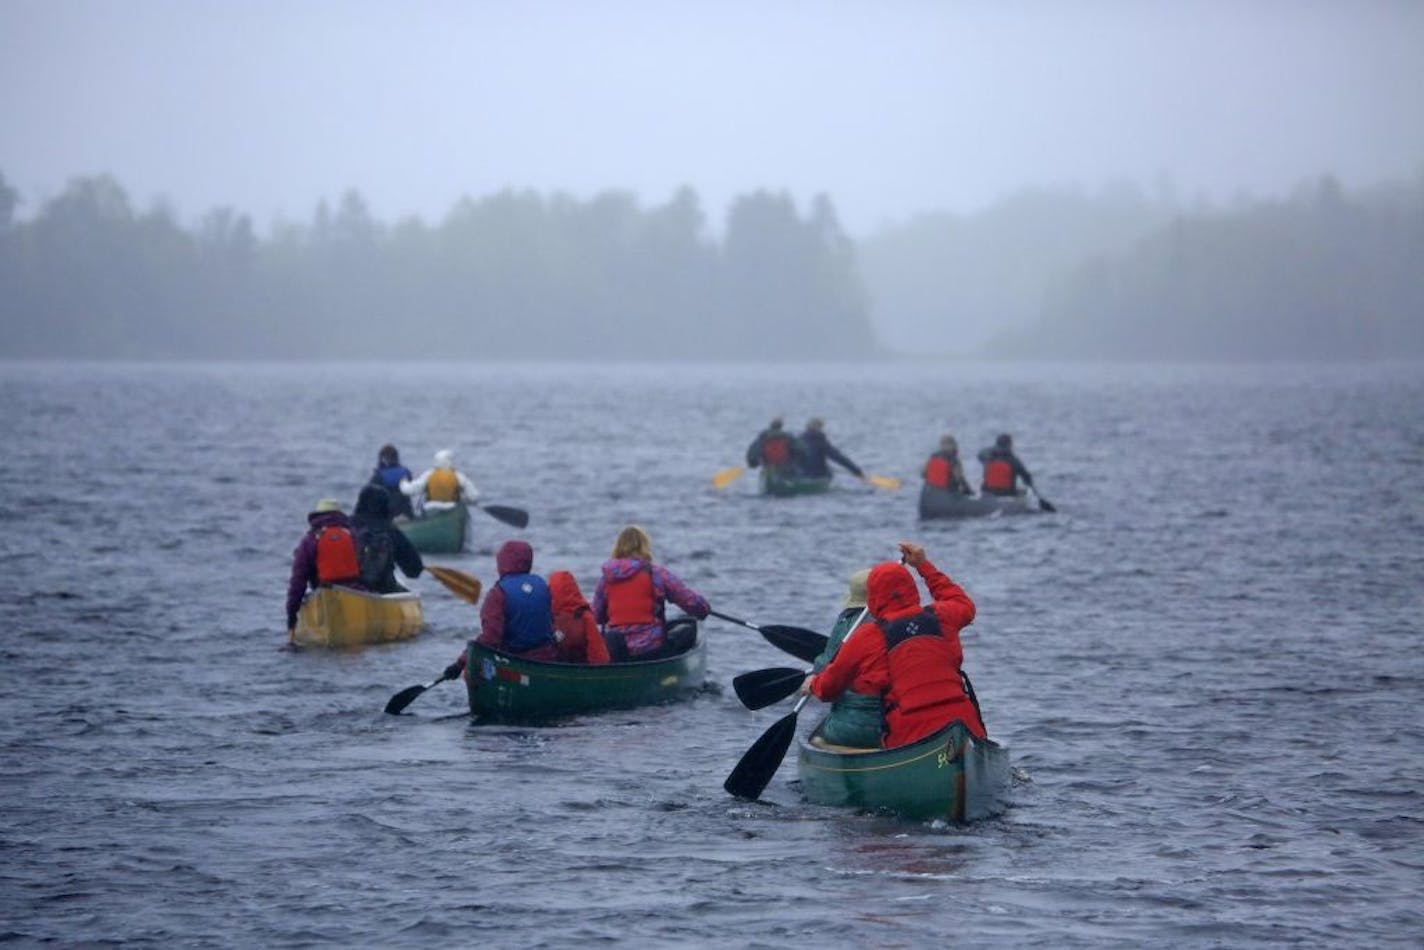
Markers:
<point>1323,273</point>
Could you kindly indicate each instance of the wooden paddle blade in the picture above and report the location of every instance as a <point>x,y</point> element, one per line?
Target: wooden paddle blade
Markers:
<point>404,698</point>
<point>799,642</point>
<point>462,585</point>
<point>761,688</point>
<point>761,761</point>
<point>887,482</point>
<point>515,517</point>
<point>727,476</point>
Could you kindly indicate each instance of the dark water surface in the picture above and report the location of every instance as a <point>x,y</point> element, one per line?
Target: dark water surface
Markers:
<point>1207,665</point>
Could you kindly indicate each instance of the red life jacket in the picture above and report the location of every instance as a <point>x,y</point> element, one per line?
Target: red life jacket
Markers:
<point>632,601</point>
<point>923,668</point>
<point>336,560</point>
<point>776,450</point>
<point>939,472</point>
<point>998,475</point>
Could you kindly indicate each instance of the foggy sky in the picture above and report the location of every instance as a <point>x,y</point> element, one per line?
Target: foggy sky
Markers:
<point>891,108</point>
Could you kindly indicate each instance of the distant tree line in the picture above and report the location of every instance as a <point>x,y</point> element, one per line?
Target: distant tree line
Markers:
<point>1321,274</point>
<point>515,274</point>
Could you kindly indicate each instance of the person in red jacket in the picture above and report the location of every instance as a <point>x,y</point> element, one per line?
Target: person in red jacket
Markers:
<point>913,651</point>
<point>576,633</point>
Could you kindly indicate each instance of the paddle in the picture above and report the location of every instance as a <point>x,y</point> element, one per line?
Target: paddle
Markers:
<point>798,641</point>
<point>1043,504</point>
<point>762,760</point>
<point>462,585</point>
<point>882,481</point>
<point>761,688</point>
<point>727,476</point>
<point>405,697</point>
<point>515,517</point>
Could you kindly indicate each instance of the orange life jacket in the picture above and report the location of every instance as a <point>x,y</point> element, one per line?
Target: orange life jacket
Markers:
<point>336,560</point>
<point>998,475</point>
<point>632,601</point>
<point>776,450</point>
<point>939,472</point>
<point>443,485</point>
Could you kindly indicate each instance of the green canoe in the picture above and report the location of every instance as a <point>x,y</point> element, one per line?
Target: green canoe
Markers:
<point>510,688</point>
<point>949,775</point>
<point>437,532</point>
<point>942,503</point>
<point>782,484</point>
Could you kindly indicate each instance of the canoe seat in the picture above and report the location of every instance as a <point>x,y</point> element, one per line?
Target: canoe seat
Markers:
<point>820,743</point>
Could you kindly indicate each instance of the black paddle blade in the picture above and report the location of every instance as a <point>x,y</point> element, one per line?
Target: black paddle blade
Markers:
<point>515,517</point>
<point>404,698</point>
<point>762,760</point>
<point>1043,505</point>
<point>761,688</point>
<point>799,642</point>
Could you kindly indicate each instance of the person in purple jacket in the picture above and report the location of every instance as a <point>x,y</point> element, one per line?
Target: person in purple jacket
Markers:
<point>631,596</point>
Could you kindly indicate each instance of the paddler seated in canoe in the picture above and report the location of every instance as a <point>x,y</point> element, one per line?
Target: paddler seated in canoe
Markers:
<point>441,487</point>
<point>389,474</point>
<point>913,651</point>
<point>631,601</point>
<point>381,547</point>
<point>325,556</point>
<point>1002,468</point>
<point>945,470</point>
<point>854,719</point>
<point>517,614</point>
<point>777,449</point>
<point>576,633</point>
<point>817,449</point>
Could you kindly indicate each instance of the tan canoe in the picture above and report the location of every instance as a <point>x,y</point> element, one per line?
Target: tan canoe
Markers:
<point>341,617</point>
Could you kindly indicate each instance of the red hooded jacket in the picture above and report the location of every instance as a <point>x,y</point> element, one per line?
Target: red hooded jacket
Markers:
<point>573,618</point>
<point>919,680</point>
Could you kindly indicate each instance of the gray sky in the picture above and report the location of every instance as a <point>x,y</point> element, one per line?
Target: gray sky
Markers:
<point>890,107</point>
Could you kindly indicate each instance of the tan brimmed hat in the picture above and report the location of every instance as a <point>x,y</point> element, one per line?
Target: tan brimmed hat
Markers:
<point>328,504</point>
<point>855,595</point>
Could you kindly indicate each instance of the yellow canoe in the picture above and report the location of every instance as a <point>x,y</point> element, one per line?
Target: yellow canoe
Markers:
<point>341,617</point>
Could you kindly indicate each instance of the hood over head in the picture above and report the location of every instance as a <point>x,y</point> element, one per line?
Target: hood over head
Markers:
<point>373,502</point>
<point>890,589</point>
<point>565,593</point>
<point>514,557</point>
<point>855,594</point>
<point>444,459</point>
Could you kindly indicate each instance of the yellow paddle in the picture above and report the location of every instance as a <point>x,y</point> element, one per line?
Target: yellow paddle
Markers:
<point>462,585</point>
<point>727,476</point>
<point>886,482</point>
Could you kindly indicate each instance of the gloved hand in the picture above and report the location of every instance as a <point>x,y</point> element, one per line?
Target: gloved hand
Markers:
<point>454,670</point>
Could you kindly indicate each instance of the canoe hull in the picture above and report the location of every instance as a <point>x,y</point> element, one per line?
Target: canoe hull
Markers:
<point>939,503</point>
<point>509,688</point>
<point>949,775</point>
<point>341,617</point>
<point>438,532</point>
<point>786,486</point>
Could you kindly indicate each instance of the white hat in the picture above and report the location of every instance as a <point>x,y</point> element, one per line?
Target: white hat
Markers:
<point>444,459</point>
<point>327,504</point>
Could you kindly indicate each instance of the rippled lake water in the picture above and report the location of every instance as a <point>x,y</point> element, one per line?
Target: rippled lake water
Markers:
<point>1207,665</point>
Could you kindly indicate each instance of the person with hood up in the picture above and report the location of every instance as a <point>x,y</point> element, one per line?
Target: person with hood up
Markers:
<point>854,719</point>
<point>1002,468</point>
<point>945,470</point>
<point>517,614</point>
<point>326,555</point>
<point>441,487</point>
<point>911,653</point>
<point>381,546</point>
<point>818,449</point>
<point>389,474</point>
<point>631,597</point>
<point>576,633</point>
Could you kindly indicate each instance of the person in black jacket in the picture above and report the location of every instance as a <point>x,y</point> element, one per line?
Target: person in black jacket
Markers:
<point>818,449</point>
<point>381,547</point>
